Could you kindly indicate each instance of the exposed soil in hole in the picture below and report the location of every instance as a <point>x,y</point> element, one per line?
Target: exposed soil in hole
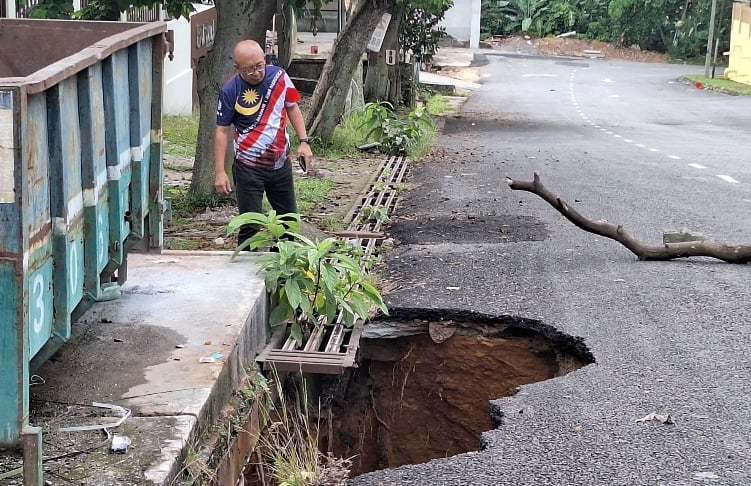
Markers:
<point>414,399</point>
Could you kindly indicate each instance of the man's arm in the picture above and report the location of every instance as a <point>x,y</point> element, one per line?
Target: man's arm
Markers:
<point>298,123</point>
<point>221,181</point>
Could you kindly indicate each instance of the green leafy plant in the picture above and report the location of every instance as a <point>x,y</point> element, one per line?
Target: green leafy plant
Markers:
<point>313,283</point>
<point>376,214</point>
<point>396,134</point>
<point>419,33</point>
<point>98,10</point>
<point>50,9</point>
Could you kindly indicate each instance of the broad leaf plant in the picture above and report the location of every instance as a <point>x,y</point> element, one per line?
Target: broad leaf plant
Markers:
<point>312,283</point>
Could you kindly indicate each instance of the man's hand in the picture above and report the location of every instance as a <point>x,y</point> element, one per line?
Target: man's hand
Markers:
<point>222,184</point>
<point>304,151</point>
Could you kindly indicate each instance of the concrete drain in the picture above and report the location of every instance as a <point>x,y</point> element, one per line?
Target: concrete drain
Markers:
<point>414,399</point>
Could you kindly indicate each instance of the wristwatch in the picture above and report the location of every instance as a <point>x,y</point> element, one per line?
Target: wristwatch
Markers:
<point>305,140</point>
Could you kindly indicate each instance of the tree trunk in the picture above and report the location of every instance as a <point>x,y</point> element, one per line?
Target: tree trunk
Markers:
<point>236,20</point>
<point>383,82</point>
<point>329,97</point>
<point>666,251</point>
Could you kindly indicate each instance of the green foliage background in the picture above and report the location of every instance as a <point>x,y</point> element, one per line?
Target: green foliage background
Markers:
<point>678,27</point>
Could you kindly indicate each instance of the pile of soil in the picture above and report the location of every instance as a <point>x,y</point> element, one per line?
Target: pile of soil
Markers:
<point>574,47</point>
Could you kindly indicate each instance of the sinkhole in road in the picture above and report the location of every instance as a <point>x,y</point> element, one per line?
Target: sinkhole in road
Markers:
<point>425,379</point>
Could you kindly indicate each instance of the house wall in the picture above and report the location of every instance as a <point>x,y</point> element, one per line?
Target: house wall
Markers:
<point>739,62</point>
<point>462,22</point>
<point>178,73</point>
<point>192,40</point>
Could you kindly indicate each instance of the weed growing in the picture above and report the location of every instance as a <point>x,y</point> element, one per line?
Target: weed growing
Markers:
<point>180,135</point>
<point>289,444</point>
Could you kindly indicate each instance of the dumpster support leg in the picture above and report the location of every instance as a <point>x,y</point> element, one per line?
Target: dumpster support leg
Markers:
<point>31,438</point>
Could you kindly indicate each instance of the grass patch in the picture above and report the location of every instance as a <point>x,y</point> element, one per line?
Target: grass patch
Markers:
<point>178,168</point>
<point>438,105</point>
<point>424,144</point>
<point>721,84</point>
<point>185,204</point>
<point>348,135</point>
<point>182,244</point>
<point>180,133</point>
<point>311,191</point>
<point>332,223</point>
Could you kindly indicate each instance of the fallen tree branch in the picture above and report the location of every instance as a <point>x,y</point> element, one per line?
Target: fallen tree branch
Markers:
<point>666,251</point>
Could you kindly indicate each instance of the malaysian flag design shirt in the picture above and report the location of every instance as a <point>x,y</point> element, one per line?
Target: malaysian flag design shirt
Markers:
<point>259,115</point>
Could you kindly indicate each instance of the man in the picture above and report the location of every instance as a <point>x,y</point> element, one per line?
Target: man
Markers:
<point>258,100</point>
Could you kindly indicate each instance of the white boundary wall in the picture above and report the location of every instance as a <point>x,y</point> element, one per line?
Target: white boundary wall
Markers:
<point>462,22</point>
<point>178,73</point>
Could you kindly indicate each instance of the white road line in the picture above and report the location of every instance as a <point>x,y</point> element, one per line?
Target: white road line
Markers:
<point>674,157</point>
<point>697,166</point>
<point>627,140</point>
<point>617,136</point>
<point>640,145</point>
<point>654,150</point>
<point>727,178</point>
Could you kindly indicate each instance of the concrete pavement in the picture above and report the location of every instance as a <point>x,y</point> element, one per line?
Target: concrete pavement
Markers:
<point>171,350</point>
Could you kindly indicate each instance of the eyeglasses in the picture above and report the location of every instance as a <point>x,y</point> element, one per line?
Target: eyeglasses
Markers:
<point>258,68</point>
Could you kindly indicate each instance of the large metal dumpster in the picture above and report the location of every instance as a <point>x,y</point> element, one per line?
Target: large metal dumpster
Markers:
<point>80,185</point>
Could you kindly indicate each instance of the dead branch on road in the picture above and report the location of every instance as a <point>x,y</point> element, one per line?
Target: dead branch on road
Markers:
<point>666,251</point>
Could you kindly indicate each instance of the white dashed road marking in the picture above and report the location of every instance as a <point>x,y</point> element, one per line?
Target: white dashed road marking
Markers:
<point>727,178</point>
<point>590,123</point>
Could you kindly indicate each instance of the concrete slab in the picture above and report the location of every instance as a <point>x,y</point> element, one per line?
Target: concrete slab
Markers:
<point>143,352</point>
<point>438,80</point>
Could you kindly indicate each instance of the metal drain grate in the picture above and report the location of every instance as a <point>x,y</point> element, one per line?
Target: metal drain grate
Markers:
<point>339,343</point>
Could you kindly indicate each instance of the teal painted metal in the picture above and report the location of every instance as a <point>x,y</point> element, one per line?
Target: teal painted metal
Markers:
<point>80,184</point>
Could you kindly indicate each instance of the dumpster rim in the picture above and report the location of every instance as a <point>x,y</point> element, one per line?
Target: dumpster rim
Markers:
<point>66,67</point>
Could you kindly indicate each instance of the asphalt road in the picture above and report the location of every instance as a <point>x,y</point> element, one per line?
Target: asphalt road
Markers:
<point>620,141</point>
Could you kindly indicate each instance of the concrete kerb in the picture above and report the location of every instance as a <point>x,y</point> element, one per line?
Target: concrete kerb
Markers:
<point>718,89</point>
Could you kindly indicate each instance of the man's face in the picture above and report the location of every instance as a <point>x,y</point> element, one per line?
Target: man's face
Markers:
<point>252,67</point>
<point>253,73</point>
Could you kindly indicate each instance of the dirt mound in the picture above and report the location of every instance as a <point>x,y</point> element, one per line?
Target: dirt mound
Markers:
<point>574,47</point>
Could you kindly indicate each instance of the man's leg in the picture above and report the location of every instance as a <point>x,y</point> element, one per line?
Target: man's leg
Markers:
<point>249,186</point>
<point>280,190</point>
